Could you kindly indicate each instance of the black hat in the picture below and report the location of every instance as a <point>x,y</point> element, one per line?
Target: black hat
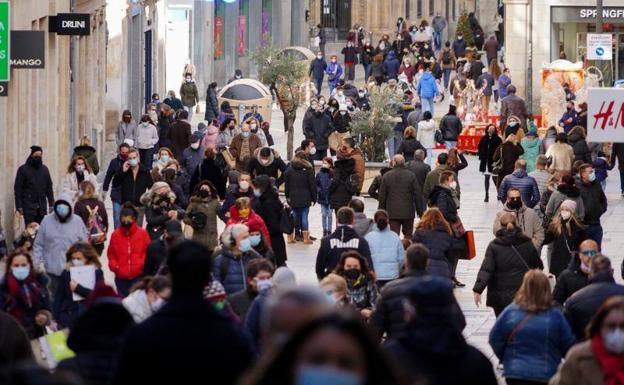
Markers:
<point>443,158</point>
<point>35,148</point>
<point>173,228</point>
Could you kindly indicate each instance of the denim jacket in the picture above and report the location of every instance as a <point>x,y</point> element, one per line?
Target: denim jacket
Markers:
<point>538,345</point>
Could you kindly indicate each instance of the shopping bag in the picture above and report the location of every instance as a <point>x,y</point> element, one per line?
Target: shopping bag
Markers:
<point>51,349</point>
<point>18,223</point>
<point>470,250</point>
<point>229,159</point>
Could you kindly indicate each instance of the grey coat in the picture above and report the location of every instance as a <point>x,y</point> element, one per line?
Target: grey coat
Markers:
<point>126,131</point>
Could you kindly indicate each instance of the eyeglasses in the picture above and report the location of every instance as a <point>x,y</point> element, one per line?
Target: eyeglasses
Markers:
<point>588,253</point>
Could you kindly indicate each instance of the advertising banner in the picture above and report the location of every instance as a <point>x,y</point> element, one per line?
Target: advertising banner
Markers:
<point>5,43</point>
<point>605,115</point>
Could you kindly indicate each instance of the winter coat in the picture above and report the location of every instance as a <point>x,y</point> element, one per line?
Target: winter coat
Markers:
<point>317,68</point>
<point>70,184</point>
<point>156,213</point>
<point>386,251</point>
<point>146,136</point>
<point>252,220</point>
<point>138,306</point>
<point>164,129</point>
<point>541,178</point>
<point>391,66</point>
<point>126,131</point>
<point>427,87</point>
<point>323,181</point>
<point>339,193</point>
<point>132,189</point>
<point>531,149</point>
<point>489,83</point>
<point>317,129</point>
<point>236,147</point>
<point>299,184</point>
<point>350,55</point>
<point>527,185</point>
<point>564,246</point>
<point>156,258</point>
<point>335,70</point>
<point>232,194</point>
<point>367,52</point>
<point>90,155</point>
<point>378,70</point>
<point>229,269</point>
<point>114,167</point>
<point>561,156</point>
<point>528,221</point>
<point>206,342</point>
<point>503,82</point>
<point>568,120</point>
<point>451,127</point>
<point>342,121</point>
<point>442,198</point>
<point>54,238</point>
<point>510,153</point>
<point>207,235</point>
<point>212,171</point>
<point>362,293</point>
<point>425,135</point>
<point>189,94</point>
<point>126,252</point>
<point>344,238</point>
<point>486,149</point>
<point>476,69</point>
<point>531,345</point>
<point>275,168</point>
<point>502,269</point>
<point>513,105</point>
<point>191,158</point>
<point>580,367</point>
<point>241,301</point>
<point>82,207</point>
<point>433,179</point>
<point>571,280</point>
<point>594,201</point>
<point>398,192</point>
<point>563,193</point>
<point>579,146</point>
<point>600,168</point>
<point>212,105</point>
<point>583,305</point>
<point>15,346</point>
<point>359,167</point>
<point>408,146</point>
<point>32,187</point>
<point>441,246</point>
<point>64,309</point>
<point>459,48</point>
<point>22,312</point>
<point>180,136</point>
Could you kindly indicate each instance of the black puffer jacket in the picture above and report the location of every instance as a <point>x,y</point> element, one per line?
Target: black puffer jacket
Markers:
<point>502,269</point>
<point>570,281</point>
<point>299,183</point>
<point>408,146</point>
<point>339,194</point>
<point>317,129</point>
<point>594,201</point>
<point>451,127</point>
<point>564,245</point>
<point>442,198</point>
<point>579,145</point>
<point>344,238</point>
<point>275,167</point>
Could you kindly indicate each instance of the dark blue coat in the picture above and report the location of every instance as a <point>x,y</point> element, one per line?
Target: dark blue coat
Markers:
<point>114,167</point>
<point>519,179</point>
<point>317,68</point>
<point>230,269</point>
<point>391,66</point>
<point>323,181</point>
<point>64,308</point>
<point>440,243</point>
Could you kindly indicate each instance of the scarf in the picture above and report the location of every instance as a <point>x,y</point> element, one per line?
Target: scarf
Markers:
<point>612,365</point>
<point>23,296</point>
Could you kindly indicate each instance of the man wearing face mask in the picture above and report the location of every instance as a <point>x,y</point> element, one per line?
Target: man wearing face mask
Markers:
<point>317,130</point>
<point>243,146</point>
<point>192,156</point>
<point>582,305</point>
<point>317,71</point>
<point>156,254</point>
<point>459,46</point>
<point>576,276</point>
<point>254,114</point>
<point>362,102</point>
<point>259,273</point>
<point>189,94</point>
<point>528,220</point>
<point>33,187</point>
<point>594,201</point>
<point>58,231</point>
<point>521,181</point>
<point>569,118</point>
<point>267,161</point>
<point>236,253</point>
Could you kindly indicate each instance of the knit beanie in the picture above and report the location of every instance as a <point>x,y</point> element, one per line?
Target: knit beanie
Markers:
<point>569,205</point>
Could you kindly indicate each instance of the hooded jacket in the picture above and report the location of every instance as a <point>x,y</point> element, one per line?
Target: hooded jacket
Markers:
<point>275,167</point>
<point>531,149</point>
<point>229,269</point>
<point>502,269</point>
<point>386,251</point>
<point>55,237</point>
<point>528,221</point>
<point>527,185</point>
<point>339,194</point>
<point>433,179</point>
<point>33,186</point>
<point>576,138</point>
<point>441,245</point>
<point>594,201</point>
<point>427,87</point>
<point>562,193</point>
<point>299,184</point>
<point>391,65</point>
<point>442,198</point>
<point>344,238</point>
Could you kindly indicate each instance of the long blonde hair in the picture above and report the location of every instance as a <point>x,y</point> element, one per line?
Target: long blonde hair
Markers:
<point>556,224</point>
<point>534,295</point>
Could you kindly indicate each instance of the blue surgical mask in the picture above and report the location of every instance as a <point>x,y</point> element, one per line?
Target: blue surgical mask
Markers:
<point>62,210</point>
<point>245,245</point>
<point>255,239</point>
<point>592,177</point>
<point>133,162</point>
<point>21,272</point>
<point>245,134</point>
<point>257,193</point>
<point>325,375</point>
<point>164,158</point>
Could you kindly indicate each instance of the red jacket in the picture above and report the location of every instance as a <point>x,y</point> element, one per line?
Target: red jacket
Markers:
<point>126,252</point>
<point>254,222</point>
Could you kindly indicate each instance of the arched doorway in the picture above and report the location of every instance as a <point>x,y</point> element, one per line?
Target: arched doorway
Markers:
<point>336,18</point>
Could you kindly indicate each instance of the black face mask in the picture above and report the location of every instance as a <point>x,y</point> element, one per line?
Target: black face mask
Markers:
<point>352,274</point>
<point>514,203</point>
<point>126,225</point>
<point>34,161</point>
<point>204,193</point>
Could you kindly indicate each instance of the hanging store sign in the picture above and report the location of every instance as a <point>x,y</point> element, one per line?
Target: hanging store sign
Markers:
<point>5,43</point>
<point>28,49</point>
<point>72,24</point>
<point>599,46</point>
<point>605,113</point>
<point>565,14</point>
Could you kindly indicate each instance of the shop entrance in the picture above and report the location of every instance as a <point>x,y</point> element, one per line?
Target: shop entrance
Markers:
<point>336,17</point>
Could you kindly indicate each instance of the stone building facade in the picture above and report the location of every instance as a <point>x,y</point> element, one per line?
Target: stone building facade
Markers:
<point>39,108</point>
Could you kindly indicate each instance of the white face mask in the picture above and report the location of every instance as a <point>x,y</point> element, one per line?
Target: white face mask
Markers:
<point>244,185</point>
<point>195,146</point>
<point>566,215</point>
<point>157,304</point>
<point>77,262</point>
<point>253,126</point>
<point>614,341</point>
<point>313,151</point>
<point>453,185</point>
<point>320,57</point>
<point>264,285</point>
<point>188,80</point>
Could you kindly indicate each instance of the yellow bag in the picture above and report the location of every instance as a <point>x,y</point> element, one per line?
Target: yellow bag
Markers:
<point>229,159</point>
<point>18,223</point>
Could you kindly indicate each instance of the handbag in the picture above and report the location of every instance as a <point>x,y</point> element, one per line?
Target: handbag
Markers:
<point>470,250</point>
<point>287,223</point>
<point>229,159</point>
<point>497,166</point>
<point>438,137</point>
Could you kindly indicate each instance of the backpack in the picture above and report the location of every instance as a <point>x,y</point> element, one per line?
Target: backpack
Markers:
<point>446,57</point>
<point>95,227</point>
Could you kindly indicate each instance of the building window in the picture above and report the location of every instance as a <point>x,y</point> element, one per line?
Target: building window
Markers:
<point>454,12</point>
<point>407,9</point>
<point>447,14</point>
<point>431,7</point>
<point>419,6</point>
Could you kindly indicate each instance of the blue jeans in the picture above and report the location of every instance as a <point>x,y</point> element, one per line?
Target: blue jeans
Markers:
<point>594,232</point>
<point>301,218</point>
<point>394,142</point>
<point>332,87</point>
<point>367,71</point>
<point>116,211</point>
<point>447,77</point>
<point>427,104</point>
<point>622,181</point>
<point>437,40</point>
<point>450,144</point>
<point>326,218</point>
<point>318,83</point>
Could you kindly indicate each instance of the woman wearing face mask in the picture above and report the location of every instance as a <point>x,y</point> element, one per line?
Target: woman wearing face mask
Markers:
<point>254,127</point>
<point>367,52</point>
<point>270,209</point>
<point>236,251</point>
<point>77,172</point>
<point>566,232</point>
<point>160,207</point>
<point>531,336</point>
<point>323,182</point>
<point>300,190</point>
<point>189,94</point>
<point>334,73</point>
<point>566,189</point>
<point>178,182</point>
<point>333,349</point>
<point>212,169</point>
<point>24,294</point>
<point>486,149</point>
<point>361,287</point>
<point>127,249</point>
<point>93,213</point>
<point>507,258</point>
<point>146,140</point>
<point>509,152</point>
<point>350,60</point>
<point>259,243</point>
<point>342,119</point>
<point>599,359</point>
<point>335,288</point>
<point>126,129</point>
<point>147,297</point>
<point>70,295</point>
<point>201,214</point>
<point>89,152</point>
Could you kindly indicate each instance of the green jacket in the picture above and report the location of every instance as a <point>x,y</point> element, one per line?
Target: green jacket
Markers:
<point>433,179</point>
<point>189,94</point>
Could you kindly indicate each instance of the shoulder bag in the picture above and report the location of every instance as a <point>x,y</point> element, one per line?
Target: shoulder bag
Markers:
<point>520,256</point>
<point>497,165</point>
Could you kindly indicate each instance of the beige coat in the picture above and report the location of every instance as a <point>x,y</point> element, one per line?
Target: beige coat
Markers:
<point>579,368</point>
<point>528,221</point>
<point>562,157</point>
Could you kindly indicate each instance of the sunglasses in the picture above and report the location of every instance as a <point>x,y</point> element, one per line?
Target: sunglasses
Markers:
<point>588,253</point>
